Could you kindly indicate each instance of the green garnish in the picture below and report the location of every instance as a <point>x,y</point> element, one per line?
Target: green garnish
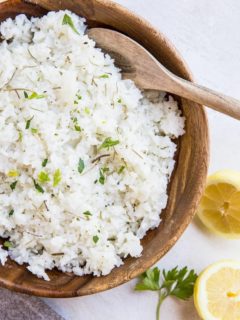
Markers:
<point>28,123</point>
<point>104,76</point>
<point>13,185</point>
<point>13,173</point>
<point>119,100</point>
<point>87,213</point>
<point>35,95</point>
<point>102,177</point>
<point>81,165</point>
<point>87,110</point>
<point>44,163</point>
<point>11,213</point>
<point>7,244</point>
<point>121,169</point>
<point>20,136</point>
<point>108,142</point>
<point>57,177</point>
<point>34,130</point>
<point>95,239</point>
<point>43,177</point>
<point>38,187</point>
<point>77,128</point>
<point>67,20</point>
<point>177,283</point>
<point>79,97</point>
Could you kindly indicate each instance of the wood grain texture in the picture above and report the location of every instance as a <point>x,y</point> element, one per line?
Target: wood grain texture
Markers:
<point>147,72</point>
<point>188,179</point>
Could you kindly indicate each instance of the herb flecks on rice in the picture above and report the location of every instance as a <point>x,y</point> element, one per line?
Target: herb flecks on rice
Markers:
<point>85,158</point>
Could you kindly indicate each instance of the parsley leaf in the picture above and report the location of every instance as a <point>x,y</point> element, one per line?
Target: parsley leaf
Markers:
<point>7,244</point>
<point>102,177</point>
<point>11,212</point>
<point>87,213</point>
<point>28,123</point>
<point>20,136</point>
<point>81,165</point>
<point>179,283</point>
<point>87,110</point>
<point>176,282</point>
<point>38,187</point>
<point>43,177</point>
<point>67,20</point>
<point>95,239</point>
<point>57,177</point>
<point>108,142</point>
<point>149,280</point>
<point>77,128</point>
<point>44,163</point>
<point>121,169</point>
<point>13,185</point>
<point>35,95</point>
<point>13,173</point>
<point>34,130</point>
<point>104,76</point>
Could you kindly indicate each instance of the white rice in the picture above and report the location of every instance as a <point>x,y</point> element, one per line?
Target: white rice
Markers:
<point>83,224</point>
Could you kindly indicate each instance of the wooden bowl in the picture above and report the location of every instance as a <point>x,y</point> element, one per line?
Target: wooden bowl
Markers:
<point>187,181</point>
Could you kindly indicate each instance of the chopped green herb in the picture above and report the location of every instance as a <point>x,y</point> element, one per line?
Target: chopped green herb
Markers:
<point>28,123</point>
<point>95,239</point>
<point>20,136</point>
<point>7,244</point>
<point>87,213</point>
<point>13,185</point>
<point>13,173</point>
<point>75,102</point>
<point>81,165</point>
<point>35,95</point>
<point>119,100</point>
<point>102,177</point>
<point>177,283</point>
<point>34,130</point>
<point>104,76</point>
<point>79,97</point>
<point>44,163</point>
<point>67,20</point>
<point>57,177</point>
<point>38,187</point>
<point>87,110</point>
<point>11,213</point>
<point>77,128</point>
<point>105,169</point>
<point>121,169</point>
<point>108,142</point>
<point>25,94</point>
<point>43,177</point>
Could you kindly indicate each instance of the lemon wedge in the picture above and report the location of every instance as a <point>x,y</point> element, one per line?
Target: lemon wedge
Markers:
<point>217,291</point>
<point>219,207</point>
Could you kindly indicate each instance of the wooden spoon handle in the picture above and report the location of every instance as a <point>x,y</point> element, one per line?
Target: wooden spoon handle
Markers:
<point>205,96</point>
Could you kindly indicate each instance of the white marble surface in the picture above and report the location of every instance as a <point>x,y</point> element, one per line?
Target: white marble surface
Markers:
<point>207,35</point>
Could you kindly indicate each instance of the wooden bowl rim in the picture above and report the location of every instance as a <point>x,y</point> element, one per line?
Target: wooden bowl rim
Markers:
<point>160,37</point>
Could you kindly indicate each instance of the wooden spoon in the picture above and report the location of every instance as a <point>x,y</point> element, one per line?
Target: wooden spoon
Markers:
<point>140,66</point>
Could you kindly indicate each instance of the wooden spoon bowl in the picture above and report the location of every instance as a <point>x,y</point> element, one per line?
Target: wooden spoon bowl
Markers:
<point>188,179</point>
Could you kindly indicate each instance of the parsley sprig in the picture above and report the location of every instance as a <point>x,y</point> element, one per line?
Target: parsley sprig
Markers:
<point>176,283</point>
<point>108,142</point>
<point>67,20</point>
